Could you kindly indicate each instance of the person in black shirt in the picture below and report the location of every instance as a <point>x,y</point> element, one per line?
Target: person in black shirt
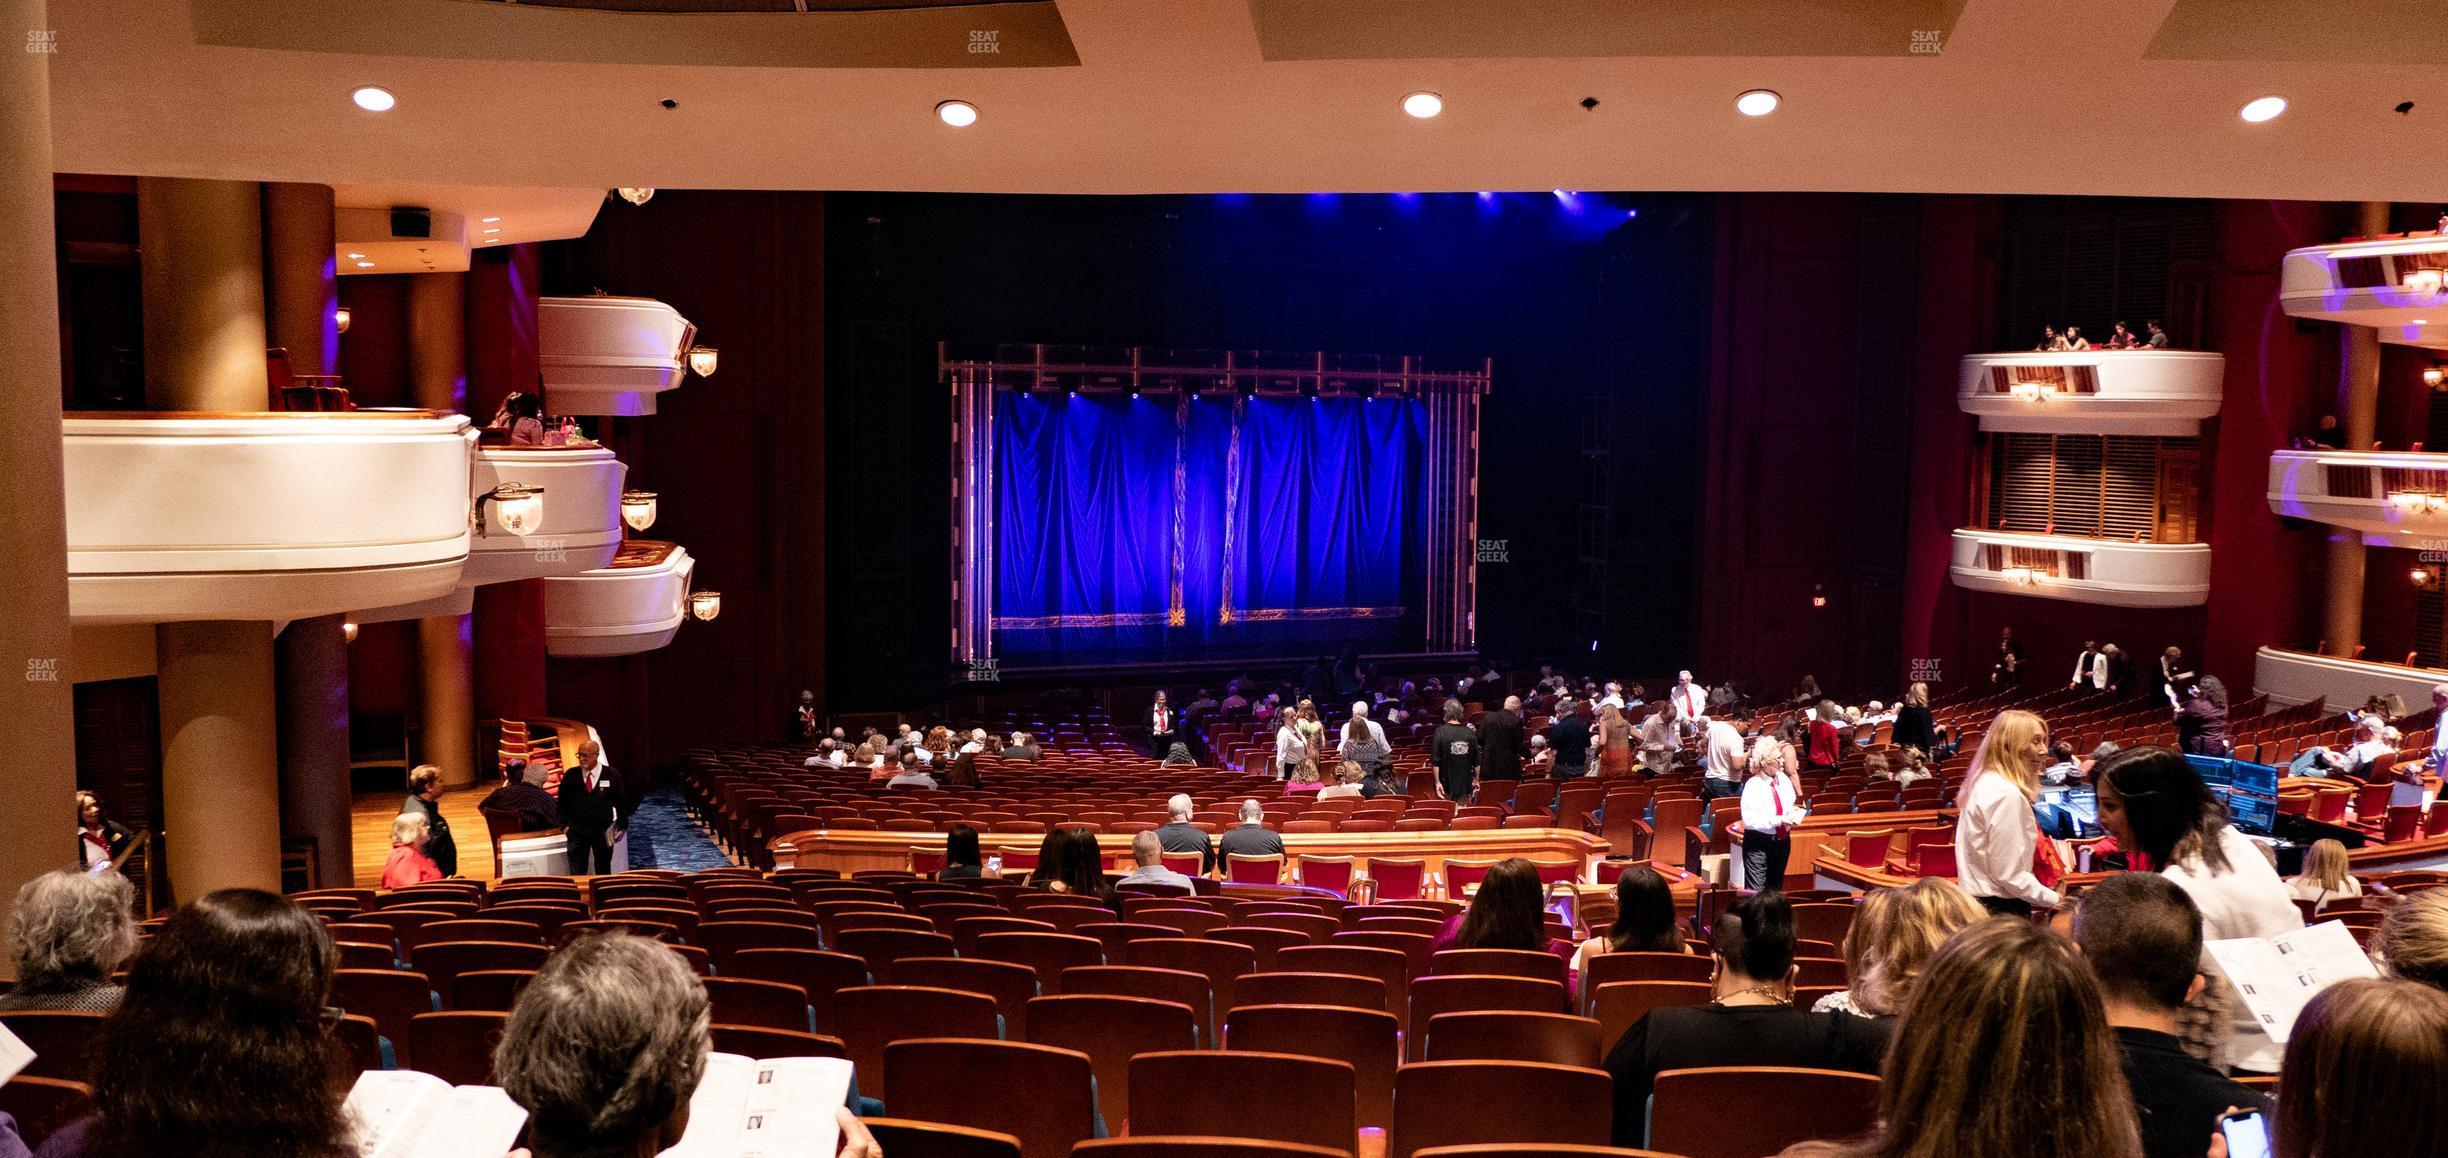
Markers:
<point>962,861</point>
<point>1455,749</point>
<point>1751,1022</point>
<point>2143,936</point>
<point>1251,837</point>
<point>1501,742</point>
<point>1179,835</point>
<point>425,795</point>
<point>1569,738</point>
<point>523,799</point>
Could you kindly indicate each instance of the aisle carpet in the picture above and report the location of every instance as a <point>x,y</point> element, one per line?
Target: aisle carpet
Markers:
<point>661,835</point>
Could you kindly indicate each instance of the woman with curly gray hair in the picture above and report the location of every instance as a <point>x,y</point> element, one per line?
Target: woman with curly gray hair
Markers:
<point>72,931</point>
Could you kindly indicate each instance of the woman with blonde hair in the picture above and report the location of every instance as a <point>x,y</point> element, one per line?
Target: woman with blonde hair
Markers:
<point>1893,935</point>
<point>1614,741</point>
<point>1997,840</point>
<point>2004,1052</point>
<point>2413,939</point>
<point>1771,806</point>
<point>2324,877</point>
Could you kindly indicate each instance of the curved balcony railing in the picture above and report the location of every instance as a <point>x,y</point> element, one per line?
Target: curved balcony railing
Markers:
<point>636,604</point>
<point>2395,498</point>
<point>610,355</point>
<point>2396,284</point>
<point>2166,393</point>
<point>2110,572</point>
<point>2289,678</point>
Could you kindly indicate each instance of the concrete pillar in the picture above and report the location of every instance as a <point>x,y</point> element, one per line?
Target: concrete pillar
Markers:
<point>2358,416</point>
<point>302,291</point>
<point>37,727</point>
<point>310,669</point>
<point>220,797</point>
<point>202,259</point>
<point>437,380</point>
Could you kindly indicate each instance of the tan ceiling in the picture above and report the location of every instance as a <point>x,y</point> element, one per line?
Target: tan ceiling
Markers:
<point>2068,96</point>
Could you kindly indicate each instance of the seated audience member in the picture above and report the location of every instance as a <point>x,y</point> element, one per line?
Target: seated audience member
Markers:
<point>2164,818</point>
<point>2366,1074</point>
<point>1177,755</point>
<point>69,932</point>
<point>221,1047</point>
<point>1149,852</point>
<point>1251,837</point>
<point>1644,920</point>
<point>408,864</point>
<point>962,860</point>
<point>1048,874</point>
<point>100,840</point>
<point>2413,940</point>
<point>1352,783</point>
<point>2142,936</point>
<point>1891,939</point>
<point>2003,1053</point>
<point>1542,756</point>
<point>1751,1022</point>
<point>911,775</point>
<point>1179,835</point>
<point>1508,912</point>
<point>2324,877</point>
<point>605,1047</point>
<point>1078,865</point>
<point>522,797</point>
<point>2063,769</point>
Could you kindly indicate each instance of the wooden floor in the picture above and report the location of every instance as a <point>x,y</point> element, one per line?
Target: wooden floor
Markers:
<point>370,829</point>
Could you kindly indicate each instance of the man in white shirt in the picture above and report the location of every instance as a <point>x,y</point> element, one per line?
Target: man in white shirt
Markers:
<point>1614,696</point>
<point>1690,702</point>
<point>1722,758</point>
<point>1770,809</point>
<point>1289,750</point>
<point>1149,852</point>
<point>2091,669</point>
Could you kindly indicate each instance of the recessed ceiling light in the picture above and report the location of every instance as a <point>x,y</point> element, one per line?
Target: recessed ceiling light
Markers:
<point>1423,104</point>
<point>958,114</point>
<point>491,220</point>
<point>1759,102</point>
<point>492,241</point>
<point>2265,109</point>
<point>355,256</point>
<point>495,229</point>
<point>374,98</point>
<point>365,265</point>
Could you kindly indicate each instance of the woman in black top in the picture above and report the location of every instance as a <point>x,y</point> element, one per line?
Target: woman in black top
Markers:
<point>1456,748</point>
<point>962,860</point>
<point>1914,726</point>
<point>2201,718</point>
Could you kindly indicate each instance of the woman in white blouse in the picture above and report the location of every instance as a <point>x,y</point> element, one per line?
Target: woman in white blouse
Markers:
<point>1770,809</point>
<point>1996,835</point>
<point>2167,821</point>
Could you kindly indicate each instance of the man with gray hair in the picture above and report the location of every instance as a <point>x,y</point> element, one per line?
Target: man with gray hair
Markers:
<point>1251,837</point>
<point>1179,835</point>
<point>71,931</point>
<point>1149,852</point>
<point>522,798</point>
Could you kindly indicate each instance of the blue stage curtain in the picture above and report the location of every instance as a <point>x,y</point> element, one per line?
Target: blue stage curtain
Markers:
<point>1133,529</point>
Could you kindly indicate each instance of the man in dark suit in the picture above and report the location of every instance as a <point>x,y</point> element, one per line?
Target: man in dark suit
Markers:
<point>1162,725</point>
<point>523,799</point>
<point>591,803</point>
<point>1502,742</point>
<point>1569,738</point>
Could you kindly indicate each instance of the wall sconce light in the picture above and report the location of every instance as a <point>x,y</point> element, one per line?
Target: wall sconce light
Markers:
<point>2022,576</point>
<point>2435,377</point>
<point>638,510</point>
<point>522,508</point>
<point>704,605</point>
<point>636,194</point>
<point>2423,578</point>
<point>348,632</point>
<point>2031,392</point>
<point>2422,281</point>
<point>1818,596</point>
<point>340,319</point>
<point>2416,502</point>
<point>701,359</point>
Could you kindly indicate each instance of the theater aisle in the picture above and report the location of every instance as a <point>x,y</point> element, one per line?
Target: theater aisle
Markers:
<point>661,835</point>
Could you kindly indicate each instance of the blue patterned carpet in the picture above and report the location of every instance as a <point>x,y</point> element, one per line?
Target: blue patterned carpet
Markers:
<point>661,835</point>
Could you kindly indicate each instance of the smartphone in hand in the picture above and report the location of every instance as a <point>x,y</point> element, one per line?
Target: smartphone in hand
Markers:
<point>2246,1132</point>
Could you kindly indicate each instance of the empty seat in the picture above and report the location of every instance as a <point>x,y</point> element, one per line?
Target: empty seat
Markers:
<point>1366,1039</point>
<point>1037,1094</point>
<point>879,948</point>
<point>1688,1109</point>
<point>1388,966</point>
<point>443,961</point>
<point>1048,953</point>
<point>1264,941</point>
<point>1512,1035</point>
<point>1011,985</point>
<point>489,989</point>
<point>1305,1100</point>
<point>757,1042</point>
<point>1111,1030</point>
<point>765,1004</point>
<point>1499,962</point>
<point>1180,986</point>
<point>1200,1146</point>
<point>457,1046</point>
<point>1468,991</point>
<point>904,1138</point>
<point>871,1017</point>
<point>66,1043</point>
<point>1619,1005</point>
<point>1309,989</point>
<point>1460,1102</point>
<point>818,973</point>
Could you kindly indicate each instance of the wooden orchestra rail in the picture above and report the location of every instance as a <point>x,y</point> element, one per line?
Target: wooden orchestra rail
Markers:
<point>855,851</point>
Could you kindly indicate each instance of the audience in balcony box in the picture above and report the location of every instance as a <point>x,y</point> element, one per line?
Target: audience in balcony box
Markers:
<point>2143,938</point>
<point>1894,934</point>
<point>1997,839</point>
<point>522,797</point>
<point>2165,819</point>
<point>69,932</point>
<point>1644,920</point>
<point>2366,1073</point>
<point>2075,340</point>
<point>100,840</point>
<point>2050,341</point>
<point>221,1047</point>
<point>2158,339</point>
<point>1750,1022</point>
<point>2325,877</point>
<point>409,863</point>
<point>2004,1052</point>
<point>521,416</point>
<point>2413,939</point>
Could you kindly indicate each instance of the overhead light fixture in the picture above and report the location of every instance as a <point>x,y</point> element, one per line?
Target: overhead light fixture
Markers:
<point>491,220</point>
<point>638,509</point>
<point>365,265</point>
<point>355,256</point>
<point>374,98</point>
<point>2030,392</point>
<point>704,605</point>
<point>2264,109</point>
<point>495,229</point>
<point>1818,595</point>
<point>958,114</point>
<point>519,508</point>
<point>340,319</point>
<point>1423,104</point>
<point>1759,102</point>
<point>703,359</point>
<point>2434,376</point>
<point>636,194</point>
<point>348,632</point>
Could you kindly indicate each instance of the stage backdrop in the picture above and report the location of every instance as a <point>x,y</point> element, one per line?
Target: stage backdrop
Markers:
<point>1170,527</point>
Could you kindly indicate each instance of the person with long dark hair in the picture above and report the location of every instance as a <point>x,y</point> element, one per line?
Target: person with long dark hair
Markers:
<point>1051,850</point>
<point>221,1047</point>
<point>2201,718</point>
<point>1751,1020</point>
<point>1079,865</point>
<point>1644,919</point>
<point>962,860</point>
<point>1508,912</point>
<point>2166,820</point>
<point>2003,1052</point>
